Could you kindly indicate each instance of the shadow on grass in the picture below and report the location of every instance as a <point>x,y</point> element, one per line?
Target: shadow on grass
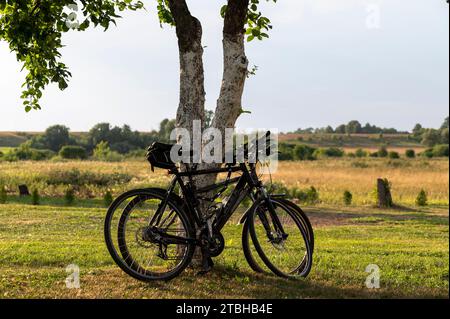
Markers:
<point>329,217</point>
<point>229,282</point>
<point>58,202</point>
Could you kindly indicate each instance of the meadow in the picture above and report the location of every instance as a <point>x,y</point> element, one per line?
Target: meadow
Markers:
<point>331,177</point>
<point>409,244</point>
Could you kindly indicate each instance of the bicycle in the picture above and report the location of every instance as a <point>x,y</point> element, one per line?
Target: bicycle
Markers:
<point>158,231</point>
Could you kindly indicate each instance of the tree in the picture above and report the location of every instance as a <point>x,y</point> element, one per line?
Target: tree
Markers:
<point>417,130</point>
<point>340,129</point>
<point>73,152</point>
<point>445,124</point>
<point>56,137</point>
<point>431,137</point>
<point>353,127</point>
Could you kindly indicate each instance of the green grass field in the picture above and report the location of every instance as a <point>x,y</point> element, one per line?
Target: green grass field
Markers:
<point>411,248</point>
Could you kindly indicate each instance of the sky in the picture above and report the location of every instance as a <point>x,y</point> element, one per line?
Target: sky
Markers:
<point>327,62</point>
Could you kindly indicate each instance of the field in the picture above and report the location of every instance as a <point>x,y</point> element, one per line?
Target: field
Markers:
<point>410,245</point>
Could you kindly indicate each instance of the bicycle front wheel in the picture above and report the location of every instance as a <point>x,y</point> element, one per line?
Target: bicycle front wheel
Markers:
<point>280,239</point>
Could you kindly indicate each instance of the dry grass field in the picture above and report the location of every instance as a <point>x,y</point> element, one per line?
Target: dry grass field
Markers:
<point>330,176</point>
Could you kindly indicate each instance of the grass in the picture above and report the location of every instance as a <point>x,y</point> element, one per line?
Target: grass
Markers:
<point>331,177</point>
<point>410,246</point>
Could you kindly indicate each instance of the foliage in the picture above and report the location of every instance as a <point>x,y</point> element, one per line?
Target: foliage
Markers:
<point>410,153</point>
<point>107,198</point>
<point>3,195</point>
<point>285,152</point>
<point>383,152</point>
<point>102,152</point>
<point>329,152</point>
<point>394,155</point>
<point>24,152</point>
<point>436,151</point>
<point>441,151</point>
<point>34,29</point>
<point>348,198</point>
<point>53,138</point>
<point>79,178</point>
<point>69,196</point>
<point>422,198</point>
<point>35,197</point>
<point>352,127</point>
<point>304,153</point>
<point>312,195</point>
<point>360,153</point>
<point>73,152</point>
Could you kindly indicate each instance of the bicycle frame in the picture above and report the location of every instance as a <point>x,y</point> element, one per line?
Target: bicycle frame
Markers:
<point>245,185</point>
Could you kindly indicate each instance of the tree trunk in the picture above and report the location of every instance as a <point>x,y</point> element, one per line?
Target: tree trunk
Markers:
<point>192,93</point>
<point>384,194</point>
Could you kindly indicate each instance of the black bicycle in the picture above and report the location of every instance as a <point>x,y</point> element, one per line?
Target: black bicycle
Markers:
<point>152,233</point>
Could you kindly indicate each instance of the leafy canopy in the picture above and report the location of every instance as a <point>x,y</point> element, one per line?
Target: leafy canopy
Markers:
<point>34,28</point>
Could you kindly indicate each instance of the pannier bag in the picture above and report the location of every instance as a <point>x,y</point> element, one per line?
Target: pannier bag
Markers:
<point>159,156</point>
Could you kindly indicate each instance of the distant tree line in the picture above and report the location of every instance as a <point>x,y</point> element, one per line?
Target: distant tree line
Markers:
<point>352,127</point>
<point>103,142</point>
<point>431,137</point>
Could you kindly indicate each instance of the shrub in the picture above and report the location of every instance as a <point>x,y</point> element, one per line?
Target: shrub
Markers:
<point>375,154</point>
<point>329,152</point>
<point>304,153</point>
<point>312,195</point>
<point>298,194</point>
<point>286,152</point>
<point>25,153</point>
<point>73,152</point>
<point>69,196</point>
<point>440,151</point>
<point>348,198</point>
<point>427,153</point>
<point>136,154</point>
<point>383,152</point>
<point>102,152</point>
<point>107,198</point>
<point>3,195</point>
<point>360,164</point>
<point>360,153</point>
<point>410,153</point>
<point>279,188</point>
<point>77,178</point>
<point>35,197</point>
<point>394,155</point>
<point>422,199</point>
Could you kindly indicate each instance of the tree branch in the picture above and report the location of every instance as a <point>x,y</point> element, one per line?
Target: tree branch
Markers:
<point>235,18</point>
<point>188,28</point>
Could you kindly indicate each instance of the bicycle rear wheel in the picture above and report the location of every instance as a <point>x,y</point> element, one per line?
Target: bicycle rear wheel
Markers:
<point>280,239</point>
<point>147,240</point>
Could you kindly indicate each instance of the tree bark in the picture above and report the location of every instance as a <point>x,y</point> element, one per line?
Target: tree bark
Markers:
<point>384,194</point>
<point>192,89</point>
<point>192,92</point>
<point>229,104</point>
